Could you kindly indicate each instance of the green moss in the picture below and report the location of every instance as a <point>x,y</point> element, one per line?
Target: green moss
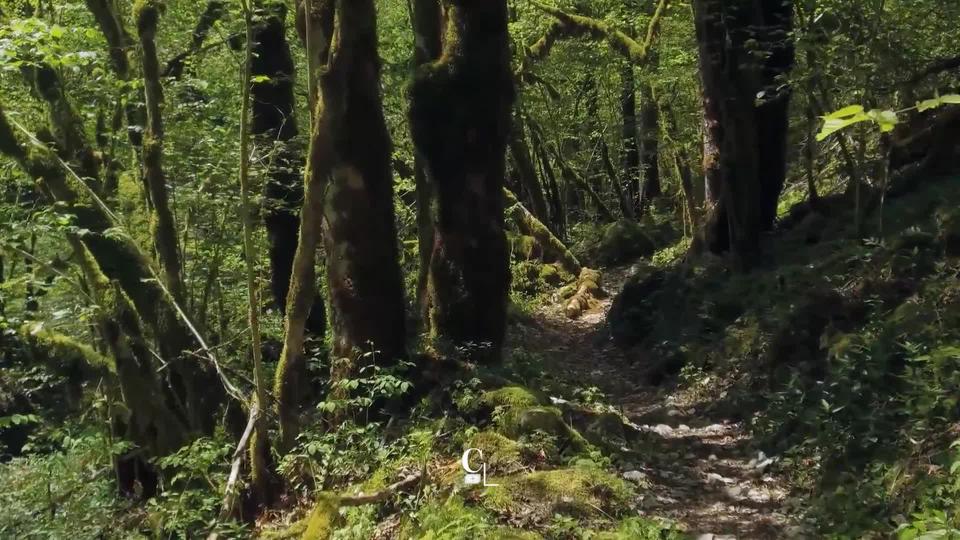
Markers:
<point>64,351</point>
<point>449,519</point>
<point>323,518</point>
<point>514,396</point>
<point>578,490</point>
<point>501,454</point>
<point>517,421</point>
<point>622,241</point>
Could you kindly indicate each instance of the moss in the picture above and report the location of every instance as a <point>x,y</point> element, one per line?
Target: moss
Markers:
<point>64,351</point>
<point>554,275</point>
<point>516,422</point>
<point>579,490</point>
<point>514,396</point>
<point>623,241</point>
<point>503,455</point>
<point>323,518</point>
<point>147,15</point>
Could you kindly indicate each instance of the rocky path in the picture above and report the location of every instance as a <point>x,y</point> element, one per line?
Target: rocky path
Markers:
<point>698,470</point>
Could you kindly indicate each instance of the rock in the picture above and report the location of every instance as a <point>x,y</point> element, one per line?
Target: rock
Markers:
<point>662,429</point>
<point>606,428</point>
<point>636,477</point>
<point>734,492</point>
<point>673,412</point>
<point>631,316</point>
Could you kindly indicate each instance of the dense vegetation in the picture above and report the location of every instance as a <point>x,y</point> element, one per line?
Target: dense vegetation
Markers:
<point>268,268</point>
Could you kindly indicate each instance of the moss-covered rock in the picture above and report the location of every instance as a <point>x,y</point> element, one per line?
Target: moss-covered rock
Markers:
<point>623,241</point>
<point>501,454</point>
<point>517,422</point>
<point>514,396</point>
<point>554,275</point>
<point>582,490</point>
<point>606,429</point>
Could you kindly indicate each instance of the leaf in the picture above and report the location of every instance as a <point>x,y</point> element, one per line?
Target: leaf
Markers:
<point>851,110</point>
<point>952,99</point>
<point>887,120</point>
<point>833,125</point>
<point>928,104</point>
<point>56,31</point>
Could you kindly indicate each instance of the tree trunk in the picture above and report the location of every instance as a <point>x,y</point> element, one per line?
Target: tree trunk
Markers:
<point>528,174</point>
<point>119,258</point>
<point>745,143</point>
<point>274,125</point>
<point>162,221</point>
<point>427,46</point>
<point>649,146</point>
<point>353,155</point>
<point>630,153</point>
<point>460,119</point>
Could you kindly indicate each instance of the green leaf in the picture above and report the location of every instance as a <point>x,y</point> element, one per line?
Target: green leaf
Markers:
<point>56,31</point>
<point>887,120</point>
<point>851,110</point>
<point>833,125</point>
<point>953,99</point>
<point>928,104</point>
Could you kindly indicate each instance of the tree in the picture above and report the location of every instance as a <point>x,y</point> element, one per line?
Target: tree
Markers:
<point>460,122</point>
<point>349,199</point>
<point>745,116</point>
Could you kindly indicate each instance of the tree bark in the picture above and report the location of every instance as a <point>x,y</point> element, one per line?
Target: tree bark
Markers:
<point>427,47</point>
<point>520,152</point>
<point>349,196</point>
<point>162,222</point>
<point>649,146</point>
<point>460,119</point>
<point>274,125</point>
<point>745,143</point>
<point>630,152</point>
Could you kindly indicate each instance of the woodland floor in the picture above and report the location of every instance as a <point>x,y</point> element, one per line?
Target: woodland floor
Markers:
<point>702,469</point>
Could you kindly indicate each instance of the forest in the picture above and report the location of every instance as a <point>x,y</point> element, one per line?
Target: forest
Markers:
<point>479,269</point>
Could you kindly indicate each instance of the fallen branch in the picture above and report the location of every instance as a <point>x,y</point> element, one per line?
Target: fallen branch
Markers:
<point>382,495</point>
<point>588,289</point>
<point>230,492</point>
<point>553,249</point>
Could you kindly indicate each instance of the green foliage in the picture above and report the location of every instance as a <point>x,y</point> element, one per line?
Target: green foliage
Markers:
<point>67,493</point>
<point>196,475</point>
<point>885,120</point>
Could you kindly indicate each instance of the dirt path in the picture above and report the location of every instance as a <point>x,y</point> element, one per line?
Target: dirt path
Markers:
<point>700,470</point>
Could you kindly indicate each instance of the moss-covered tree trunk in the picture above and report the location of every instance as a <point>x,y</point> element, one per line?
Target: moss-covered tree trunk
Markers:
<point>460,118</point>
<point>349,196</point>
<point>274,125</point>
<point>427,46</point>
<point>194,382</point>
<point>162,222</point>
<point>745,137</point>
<point>363,271</point>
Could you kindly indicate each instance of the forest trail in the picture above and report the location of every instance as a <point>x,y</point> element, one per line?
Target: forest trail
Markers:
<point>699,469</point>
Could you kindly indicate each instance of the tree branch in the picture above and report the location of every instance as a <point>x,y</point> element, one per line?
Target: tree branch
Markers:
<point>569,25</point>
